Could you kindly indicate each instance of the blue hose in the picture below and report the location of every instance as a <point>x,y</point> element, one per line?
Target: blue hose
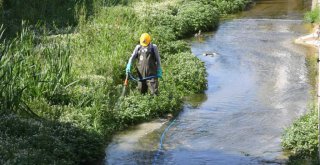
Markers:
<point>156,156</point>
<point>142,79</point>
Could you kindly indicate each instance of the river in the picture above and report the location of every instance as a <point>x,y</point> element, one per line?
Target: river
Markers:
<point>257,85</point>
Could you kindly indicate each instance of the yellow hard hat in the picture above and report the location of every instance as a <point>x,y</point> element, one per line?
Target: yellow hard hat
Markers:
<point>145,39</point>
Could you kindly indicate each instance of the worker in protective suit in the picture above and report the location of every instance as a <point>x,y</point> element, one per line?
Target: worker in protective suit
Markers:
<point>148,64</point>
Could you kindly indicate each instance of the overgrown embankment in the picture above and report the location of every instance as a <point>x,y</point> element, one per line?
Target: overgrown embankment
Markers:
<point>301,138</point>
<point>58,16</point>
<point>60,93</point>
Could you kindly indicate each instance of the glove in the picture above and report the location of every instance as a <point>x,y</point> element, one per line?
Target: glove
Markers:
<point>159,73</point>
<point>128,68</point>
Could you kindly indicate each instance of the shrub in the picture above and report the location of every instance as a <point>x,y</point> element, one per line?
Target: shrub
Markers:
<point>27,141</point>
<point>313,16</point>
<point>230,6</point>
<point>302,137</point>
<point>187,77</point>
<point>194,16</point>
<point>174,47</point>
<point>137,108</point>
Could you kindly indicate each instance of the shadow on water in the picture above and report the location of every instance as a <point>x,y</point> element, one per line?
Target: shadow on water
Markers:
<point>196,100</point>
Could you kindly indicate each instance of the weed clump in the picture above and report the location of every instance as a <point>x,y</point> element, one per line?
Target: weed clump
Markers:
<point>301,138</point>
<point>28,141</point>
<point>313,16</point>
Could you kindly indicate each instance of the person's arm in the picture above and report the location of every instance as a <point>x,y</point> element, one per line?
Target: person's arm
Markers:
<point>132,58</point>
<point>134,54</point>
<point>158,59</point>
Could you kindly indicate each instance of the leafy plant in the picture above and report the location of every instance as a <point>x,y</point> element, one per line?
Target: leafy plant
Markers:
<point>313,16</point>
<point>196,16</point>
<point>28,141</point>
<point>302,137</point>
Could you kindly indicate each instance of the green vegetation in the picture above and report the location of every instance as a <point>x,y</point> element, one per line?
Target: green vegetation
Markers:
<point>58,16</point>
<point>302,137</point>
<point>60,94</point>
<point>313,16</point>
<point>28,141</point>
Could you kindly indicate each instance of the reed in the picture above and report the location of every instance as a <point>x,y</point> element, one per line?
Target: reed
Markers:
<point>31,72</point>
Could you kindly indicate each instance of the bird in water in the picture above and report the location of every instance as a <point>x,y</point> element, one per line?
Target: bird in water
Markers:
<point>198,34</point>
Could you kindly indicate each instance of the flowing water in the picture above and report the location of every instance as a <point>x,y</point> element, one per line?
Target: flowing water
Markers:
<point>257,85</point>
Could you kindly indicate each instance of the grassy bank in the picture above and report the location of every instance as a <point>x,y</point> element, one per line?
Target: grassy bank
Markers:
<point>60,93</point>
<point>301,138</point>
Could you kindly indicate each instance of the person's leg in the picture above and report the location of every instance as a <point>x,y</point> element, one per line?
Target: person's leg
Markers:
<point>142,87</point>
<point>153,86</point>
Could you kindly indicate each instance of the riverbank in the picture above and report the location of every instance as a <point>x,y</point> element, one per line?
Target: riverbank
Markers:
<point>64,89</point>
<point>310,39</point>
<point>300,140</point>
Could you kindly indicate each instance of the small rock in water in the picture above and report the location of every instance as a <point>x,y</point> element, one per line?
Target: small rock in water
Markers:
<point>169,116</point>
<point>209,54</point>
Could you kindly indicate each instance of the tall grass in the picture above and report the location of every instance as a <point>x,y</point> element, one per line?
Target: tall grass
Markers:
<point>58,16</point>
<point>35,77</point>
<point>31,72</point>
